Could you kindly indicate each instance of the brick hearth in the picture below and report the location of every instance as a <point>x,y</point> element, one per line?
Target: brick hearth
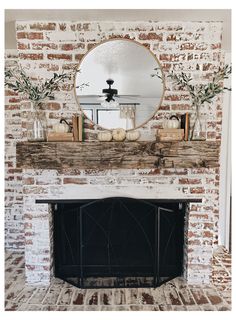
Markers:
<point>175,295</point>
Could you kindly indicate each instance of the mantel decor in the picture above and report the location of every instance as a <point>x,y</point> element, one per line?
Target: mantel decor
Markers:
<point>17,80</point>
<point>116,155</point>
<point>202,93</point>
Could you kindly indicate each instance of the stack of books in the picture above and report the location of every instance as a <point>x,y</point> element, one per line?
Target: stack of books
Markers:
<point>77,124</point>
<point>75,135</point>
<point>176,134</point>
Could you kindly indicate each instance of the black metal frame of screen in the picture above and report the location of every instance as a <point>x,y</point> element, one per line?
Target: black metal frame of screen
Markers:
<point>118,242</point>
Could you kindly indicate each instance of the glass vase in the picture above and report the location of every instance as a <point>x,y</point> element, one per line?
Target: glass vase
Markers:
<point>36,130</point>
<point>199,128</point>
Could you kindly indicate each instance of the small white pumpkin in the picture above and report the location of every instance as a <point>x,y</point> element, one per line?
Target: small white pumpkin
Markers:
<point>171,123</point>
<point>60,127</point>
<point>132,135</point>
<point>104,136</point>
<point>118,134</point>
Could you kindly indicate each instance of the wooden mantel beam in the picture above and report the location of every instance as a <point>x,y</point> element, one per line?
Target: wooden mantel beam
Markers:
<point>117,155</point>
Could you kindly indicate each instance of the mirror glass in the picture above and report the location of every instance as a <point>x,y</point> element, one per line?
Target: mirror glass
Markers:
<point>119,84</point>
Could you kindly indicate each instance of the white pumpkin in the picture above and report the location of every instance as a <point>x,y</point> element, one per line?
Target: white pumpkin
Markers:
<point>119,134</point>
<point>132,135</point>
<point>60,127</point>
<point>104,136</point>
<point>171,123</point>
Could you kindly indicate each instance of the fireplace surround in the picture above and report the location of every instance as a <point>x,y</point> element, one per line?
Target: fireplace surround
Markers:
<point>118,242</point>
<point>140,178</point>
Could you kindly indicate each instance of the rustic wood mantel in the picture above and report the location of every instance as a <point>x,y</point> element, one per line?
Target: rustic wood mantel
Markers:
<point>116,155</point>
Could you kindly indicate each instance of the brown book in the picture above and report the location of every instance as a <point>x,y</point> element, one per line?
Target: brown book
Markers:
<point>80,127</point>
<point>75,127</point>
<point>58,136</point>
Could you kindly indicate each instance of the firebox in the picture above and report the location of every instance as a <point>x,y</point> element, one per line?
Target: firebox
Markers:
<point>118,242</point>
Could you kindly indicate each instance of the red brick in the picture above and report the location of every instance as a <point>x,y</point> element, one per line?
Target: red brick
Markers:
<point>79,299</point>
<point>69,66</point>
<point>14,100</point>
<point>62,26</point>
<point>90,46</point>
<point>175,172</point>
<point>72,46</point>
<point>207,234</point>
<point>211,135</point>
<point>82,26</point>
<point>216,46</point>
<point>78,57</point>
<point>166,107</point>
<point>31,56</point>
<point>75,181</point>
<point>23,46</point>
<point>28,181</point>
<point>171,37</point>
<point>9,93</point>
<point>175,97</point>
<point>197,190</point>
<point>199,296</point>
<point>201,46</point>
<point>189,181</point>
<point>166,66</point>
<point>151,36</point>
<point>172,57</point>
<point>30,35</point>
<point>187,46</point>
<point>40,46</point>
<point>59,56</point>
<point>49,66</point>
<point>43,26</point>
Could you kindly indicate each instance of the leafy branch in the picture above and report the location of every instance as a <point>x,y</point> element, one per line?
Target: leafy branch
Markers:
<point>17,80</point>
<point>201,93</point>
<point>158,73</point>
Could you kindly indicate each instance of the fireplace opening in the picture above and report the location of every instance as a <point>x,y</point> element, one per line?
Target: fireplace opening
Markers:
<point>118,242</point>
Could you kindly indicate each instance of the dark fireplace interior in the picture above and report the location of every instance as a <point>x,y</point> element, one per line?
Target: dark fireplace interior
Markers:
<point>118,242</point>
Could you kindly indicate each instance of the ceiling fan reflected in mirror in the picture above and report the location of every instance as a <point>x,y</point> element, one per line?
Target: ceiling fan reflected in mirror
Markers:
<point>109,94</point>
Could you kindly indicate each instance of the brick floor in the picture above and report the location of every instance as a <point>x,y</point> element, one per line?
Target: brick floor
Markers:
<point>176,295</point>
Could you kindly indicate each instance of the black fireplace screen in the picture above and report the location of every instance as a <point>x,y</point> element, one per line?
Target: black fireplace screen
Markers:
<point>118,242</point>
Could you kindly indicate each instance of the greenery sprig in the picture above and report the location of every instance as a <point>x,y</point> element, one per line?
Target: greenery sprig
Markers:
<point>17,80</point>
<point>201,93</point>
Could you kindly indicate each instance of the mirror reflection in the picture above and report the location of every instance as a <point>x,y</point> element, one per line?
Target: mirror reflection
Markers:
<point>115,85</point>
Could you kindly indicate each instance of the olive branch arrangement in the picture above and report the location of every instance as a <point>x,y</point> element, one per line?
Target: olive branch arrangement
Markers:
<point>17,80</point>
<point>201,93</point>
<point>34,92</point>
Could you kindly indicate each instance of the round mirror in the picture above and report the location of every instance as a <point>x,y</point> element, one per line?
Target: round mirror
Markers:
<point>119,84</point>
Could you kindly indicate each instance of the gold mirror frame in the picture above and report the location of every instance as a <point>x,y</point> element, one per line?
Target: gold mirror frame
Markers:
<point>158,62</point>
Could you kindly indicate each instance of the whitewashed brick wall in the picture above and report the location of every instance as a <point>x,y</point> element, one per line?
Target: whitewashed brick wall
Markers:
<point>14,225</point>
<point>45,47</point>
